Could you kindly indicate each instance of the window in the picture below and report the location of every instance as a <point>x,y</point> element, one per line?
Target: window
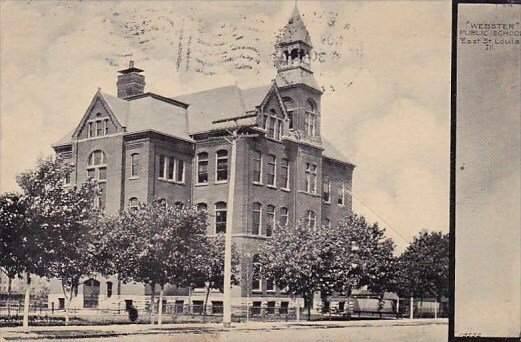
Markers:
<point>284,174</point>
<point>256,272</point>
<point>134,165</point>
<point>270,285</point>
<point>257,167</point>
<point>109,289</point>
<point>341,194</point>
<point>220,217</point>
<point>98,127</point>
<point>290,109</point>
<point>202,207</point>
<point>179,205</point>
<point>97,170</point>
<point>270,220</point>
<point>327,223</point>
<point>222,165</point>
<point>162,167</point>
<point>283,310</point>
<point>256,218</point>
<point>67,178</point>
<point>272,165</point>
<point>133,203</point>
<point>91,293</point>
<point>326,190</point>
<point>311,219</point>
<point>284,217</point>
<point>180,171</point>
<point>202,168</point>
<point>270,309</point>
<point>311,178</point>
<point>273,125</point>
<point>171,169</point>
<point>311,118</point>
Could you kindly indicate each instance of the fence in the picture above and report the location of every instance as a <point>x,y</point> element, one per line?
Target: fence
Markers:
<point>423,308</point>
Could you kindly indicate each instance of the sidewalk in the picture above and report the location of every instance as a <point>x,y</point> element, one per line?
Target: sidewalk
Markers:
<point>35,333</point>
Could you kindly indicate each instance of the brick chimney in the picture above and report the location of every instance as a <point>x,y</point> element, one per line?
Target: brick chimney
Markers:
<point>130,81</point>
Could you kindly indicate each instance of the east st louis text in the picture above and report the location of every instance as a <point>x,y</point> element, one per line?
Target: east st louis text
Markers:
<point>496,36</point>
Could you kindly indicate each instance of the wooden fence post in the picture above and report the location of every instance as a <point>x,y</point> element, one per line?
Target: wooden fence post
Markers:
<point>411,314</point>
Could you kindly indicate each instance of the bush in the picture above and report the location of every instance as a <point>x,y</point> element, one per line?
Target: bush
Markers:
<point>132,314</point>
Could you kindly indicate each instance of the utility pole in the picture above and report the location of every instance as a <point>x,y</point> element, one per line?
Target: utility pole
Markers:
<point>227,296</point>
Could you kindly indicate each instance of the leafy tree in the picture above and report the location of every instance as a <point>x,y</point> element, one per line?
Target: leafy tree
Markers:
<point>423,268</point>
<point>61,220</point>
<point>159,244</point>
<point>211,271</point>
<point>329,259</point>
<point>14,239</point>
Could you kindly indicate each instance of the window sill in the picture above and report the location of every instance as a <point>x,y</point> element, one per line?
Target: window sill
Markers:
<point>201,184</point>
<point>133,177</point>
<point>285,189</point>
<point>256,291</point>
<point>258,184</point>
<point>271,186</point>
<point>271,291</point>
<point>309,193</point>
<point>170,181</point>
<point>221,182</point>
<point>326,202</point>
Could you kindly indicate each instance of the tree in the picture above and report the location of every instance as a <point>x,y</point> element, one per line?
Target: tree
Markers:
<point>423,268</point>
<point>61,220</point>
<point>14,239</point>
<point>211,270</point>
<point>329,259</point>
<point>159,244</point>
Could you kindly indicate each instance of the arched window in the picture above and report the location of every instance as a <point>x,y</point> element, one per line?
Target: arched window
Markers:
<point>284,217</point>
<point>134,165</point>
<point>311,219</point>
<point>91,293</point>
<point>133,203</point>
<point>270,219</point>
<point>202,168</point>
<point>97,169</point>
<point>220,217</point>
<point>202,207</point>
<point>290,109</point>
<point>311,118</point>
<point>326,190</point>
<point>222,165</point>
<point>256,218</point>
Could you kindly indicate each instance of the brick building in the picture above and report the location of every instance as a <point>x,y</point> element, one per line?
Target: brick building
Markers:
<point>142,146</point>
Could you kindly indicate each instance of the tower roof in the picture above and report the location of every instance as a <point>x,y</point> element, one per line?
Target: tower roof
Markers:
<point>295,30</point>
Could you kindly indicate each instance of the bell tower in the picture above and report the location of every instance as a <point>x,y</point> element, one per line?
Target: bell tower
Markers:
<point>298,86</point>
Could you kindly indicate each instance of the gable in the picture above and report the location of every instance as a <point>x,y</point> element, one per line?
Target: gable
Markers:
<point>99,118</point>
<point>271,104</point>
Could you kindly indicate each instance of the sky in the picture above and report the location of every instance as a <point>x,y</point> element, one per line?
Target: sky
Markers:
<point>384,68</point>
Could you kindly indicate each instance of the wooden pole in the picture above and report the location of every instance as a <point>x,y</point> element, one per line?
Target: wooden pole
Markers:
<point>411,314</point>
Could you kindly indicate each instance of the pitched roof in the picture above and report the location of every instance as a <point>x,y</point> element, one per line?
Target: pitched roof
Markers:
<point>295,30</point>
<point>207,106</point>
<point>332,152</point>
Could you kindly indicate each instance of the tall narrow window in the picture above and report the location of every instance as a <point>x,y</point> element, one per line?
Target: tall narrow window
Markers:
<point>134,165</point>
<point>284,173</point>
<point>270,286</point>
<point>313,179</point>
<point>290,108</point>
<point>106,126</point>
<point>341,194</point>
<point>256,218</point>
<point>97,169</point>
<point>222,165</point>
<point>311,219</point>
<point>311,117</point>
<point>171,169</point>
<point>109,289</point>
<point>90,132</point>
<point>270,174</point>
<point>327,223</point>
<point>271,124</point>
<point>326,190</point>
<point>220,217</point>
<point>180,171</point>
<point>270,220</point>
<point>99,128</point>
<point>257,167</point>
<point>256,273</point>
<point>284,217</point>
<point>202,168</point>
<point>162,166</point>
